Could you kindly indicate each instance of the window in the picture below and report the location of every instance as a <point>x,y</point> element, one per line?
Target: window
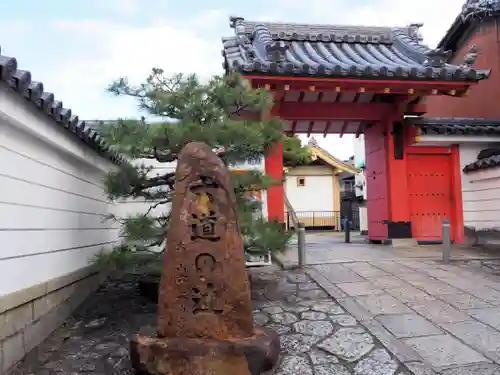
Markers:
<point>301,181</point>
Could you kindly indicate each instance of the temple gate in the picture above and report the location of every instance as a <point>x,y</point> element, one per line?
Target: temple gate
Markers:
<point>352,80</point>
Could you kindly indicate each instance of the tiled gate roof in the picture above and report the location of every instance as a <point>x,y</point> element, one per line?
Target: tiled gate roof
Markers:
<point>341,51</point>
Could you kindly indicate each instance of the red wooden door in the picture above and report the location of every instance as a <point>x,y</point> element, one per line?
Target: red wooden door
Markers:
<point>376,182</point>
<point>430,194</point>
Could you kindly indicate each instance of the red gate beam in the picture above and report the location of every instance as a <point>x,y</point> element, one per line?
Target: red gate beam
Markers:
<point>334,111</point>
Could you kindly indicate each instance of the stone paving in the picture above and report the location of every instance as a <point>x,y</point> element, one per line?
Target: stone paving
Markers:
<point>433,317</point>
<point>318,336</point>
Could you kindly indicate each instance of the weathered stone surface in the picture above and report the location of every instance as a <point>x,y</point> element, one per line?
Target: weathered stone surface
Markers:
<point>297,343</point>
<point>260,318</point>
<point>378,362</point>
<point>434,287</point>
<point>284,318</point>
<point>295,308</point>
<point>329,307</point>
<point>294,365</point>
<point>308,286</point>
<point>313,315</point>
<point>319,357</point>
<point>279,329</point>
<point>444,350</point>
<point>408,325</point>
<point>331,369</point>
<point>343,320</point>
<point>488,316</point>
<point>312,294</point>
<point>438,311</point>
<point>297,278</point>
<point>479,369</point>
<point>320,328</point>
<point>204,291</point>
<point>349,344</point>
<point>382,304</point>
<point>205,322</point>
<point>160,357</point>
<point>361,288</point>
<point>465,301</point>
<point>479,336</point>
<point>272,310</point>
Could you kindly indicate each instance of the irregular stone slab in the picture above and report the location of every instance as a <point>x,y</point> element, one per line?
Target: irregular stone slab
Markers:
<point>331,369</point>
<point>349,344</point>
<point>313,294</point>
<point>319,328</point>
<point>313,315</point>
<point>382,304</point>
<point>260,318</point>
<point>272,309</point>
<point>343,320</point>
<point>297,343</point>
<point>279,329</point>
<point>365,270</point>
<point>465,301</point>
<point>444,350</point>
<point>434,288</point>
<point>297,278</point>
<point>295,308</point>
<point>438,311</point>
<point>329,307</point>
<point>362,288</point>
<point>284,318</point>
<point>408,325</point>
<point>409,294</point>
<point>392,267</point>
<point>321,357</point>
<point>308,286</point>
<point>378,362</point>
<point>337,273</point>
<point>489,316</point>
<point>479,369</point>
<point>294,365</point>
<point>478,335</point>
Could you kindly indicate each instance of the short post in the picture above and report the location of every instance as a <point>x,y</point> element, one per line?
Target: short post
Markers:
<point>347,229</point>
<point>446,241</point>
<point>301,244</point>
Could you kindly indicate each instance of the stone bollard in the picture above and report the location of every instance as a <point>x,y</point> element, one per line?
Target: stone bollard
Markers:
<point>301,244</point>
<point>446,241</point>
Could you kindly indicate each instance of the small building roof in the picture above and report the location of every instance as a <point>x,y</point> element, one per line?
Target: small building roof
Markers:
<point>473,13</point>
<point>33,92</point>
<point>488,158</point>
<point>361,52</point>
<point>321,153</point>
<point>456,126</point>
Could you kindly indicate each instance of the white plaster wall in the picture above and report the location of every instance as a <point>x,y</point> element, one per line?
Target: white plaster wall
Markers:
<point>359,161</point>
<point>52,202</point>
<point>363,219</point>
<point>131,207</point>
<point>480,191</point>
<point>316,195</point>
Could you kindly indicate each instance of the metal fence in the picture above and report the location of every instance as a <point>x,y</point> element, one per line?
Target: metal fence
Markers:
<point>322,220</point>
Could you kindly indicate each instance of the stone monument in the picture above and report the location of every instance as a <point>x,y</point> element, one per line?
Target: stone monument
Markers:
<point>205,323</point>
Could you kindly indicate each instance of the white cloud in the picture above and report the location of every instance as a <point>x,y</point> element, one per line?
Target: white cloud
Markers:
<point>114,48</point>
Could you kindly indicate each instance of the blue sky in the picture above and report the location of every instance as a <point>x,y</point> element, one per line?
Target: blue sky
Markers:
<point>76,48</point>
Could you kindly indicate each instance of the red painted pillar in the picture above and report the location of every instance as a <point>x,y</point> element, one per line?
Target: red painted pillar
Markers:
<point>457,223</point>
<point>275,194</point>
<point>399,205</point>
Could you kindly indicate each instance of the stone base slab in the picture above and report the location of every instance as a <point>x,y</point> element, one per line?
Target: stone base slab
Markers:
<point>186,356</point>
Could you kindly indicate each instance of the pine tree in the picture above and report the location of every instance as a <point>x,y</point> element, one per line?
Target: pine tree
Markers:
<point>224,113</point>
